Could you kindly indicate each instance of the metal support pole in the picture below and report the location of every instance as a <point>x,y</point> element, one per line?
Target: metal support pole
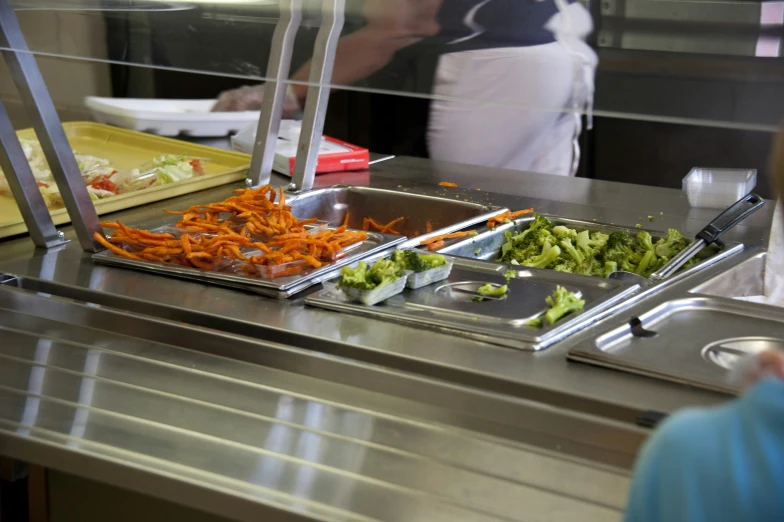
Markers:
<point>39,105</point>
<point>24,187</point>
<point>332,18</point>
<point>279,67</point>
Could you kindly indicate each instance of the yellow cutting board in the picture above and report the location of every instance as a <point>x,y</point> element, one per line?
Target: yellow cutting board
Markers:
<point>127,149</point>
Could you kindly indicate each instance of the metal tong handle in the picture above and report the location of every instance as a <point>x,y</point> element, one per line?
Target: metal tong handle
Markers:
<point>711,233</point>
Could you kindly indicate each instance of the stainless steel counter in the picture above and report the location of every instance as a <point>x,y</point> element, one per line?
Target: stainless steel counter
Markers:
<point>249,400</point>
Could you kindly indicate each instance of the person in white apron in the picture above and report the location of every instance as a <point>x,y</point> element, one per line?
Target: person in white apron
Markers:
<point>512,82</point>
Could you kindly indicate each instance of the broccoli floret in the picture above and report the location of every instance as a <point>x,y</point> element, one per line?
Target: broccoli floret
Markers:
<point>609,268</point>
<point>416,262</point>
<point>620,250</point>
<point>644,249</point>
<point>541,237</point>
<point>509,275</point>
<point>565,265</point>
<point>591,244</point>
<point>409,260</point>
<point>490,290</point>
<point>619,240</point>
<point>432,260</point>
<point>545,259</point>
<point>528,243</point>
<point>644,242</point>
<point>570,249</point>
<point>562,232</point>
<point>383,272</point>
<point>562,302</point>
<point>669,246</point>
<point>592,266</point>
<point>645,264</point>
<point>356,277</point>
<point>541,222</point>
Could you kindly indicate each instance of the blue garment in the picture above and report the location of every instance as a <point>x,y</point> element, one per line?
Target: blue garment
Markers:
<point>715,465</point>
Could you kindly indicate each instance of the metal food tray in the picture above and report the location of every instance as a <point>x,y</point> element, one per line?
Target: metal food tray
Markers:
<point>281,287</point>
<point>448,305</point>
<point>487,244</point>
<point>444,214</point>
<point>698,339</point>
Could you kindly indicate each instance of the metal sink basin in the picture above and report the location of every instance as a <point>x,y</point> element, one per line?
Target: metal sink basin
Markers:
<point>445,215</point>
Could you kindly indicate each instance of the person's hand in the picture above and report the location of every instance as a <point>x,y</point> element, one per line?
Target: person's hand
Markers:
<point>750,370</point>
<point>250,99</point>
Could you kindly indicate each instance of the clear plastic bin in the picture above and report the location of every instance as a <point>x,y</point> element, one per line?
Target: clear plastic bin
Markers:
<point>718,188</point>
<point>439,273</point>
<point>368,297</point>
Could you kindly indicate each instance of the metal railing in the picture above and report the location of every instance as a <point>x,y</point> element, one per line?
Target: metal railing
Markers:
<point>46,123</point>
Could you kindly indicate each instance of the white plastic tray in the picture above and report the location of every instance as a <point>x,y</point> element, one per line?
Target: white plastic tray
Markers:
<point>428,277</point>
<point>718,188</point>
<point>367,297</point>
<point>169,117</point>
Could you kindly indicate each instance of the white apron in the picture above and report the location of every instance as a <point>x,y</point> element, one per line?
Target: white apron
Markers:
<point>518,107</point>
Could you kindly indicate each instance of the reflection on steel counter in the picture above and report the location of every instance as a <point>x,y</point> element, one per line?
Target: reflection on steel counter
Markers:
<point>161,408</point>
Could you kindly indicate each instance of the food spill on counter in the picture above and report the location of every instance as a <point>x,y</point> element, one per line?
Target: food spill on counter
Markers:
<point>560,304</point>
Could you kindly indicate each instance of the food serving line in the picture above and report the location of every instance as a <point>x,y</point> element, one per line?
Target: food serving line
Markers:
<point>267,403</point>
<point>242,395</point>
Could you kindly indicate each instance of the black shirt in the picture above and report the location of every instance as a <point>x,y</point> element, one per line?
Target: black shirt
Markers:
<point>468,25</point>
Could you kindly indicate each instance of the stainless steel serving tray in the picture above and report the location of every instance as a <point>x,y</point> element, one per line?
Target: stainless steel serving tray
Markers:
<point>443,306</point>
<point>445,214</point>
<point>281,287</point>
<point>487,244</point>
<point>697,340</point>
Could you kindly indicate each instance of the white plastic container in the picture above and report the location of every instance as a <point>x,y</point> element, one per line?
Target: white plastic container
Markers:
<point>434,275</point>
<point>169,117</point>
<point>368,297</point>
<point>718,188</point>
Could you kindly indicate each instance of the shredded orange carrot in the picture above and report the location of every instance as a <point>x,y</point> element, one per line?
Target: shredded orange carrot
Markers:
<point>230,234</point>
<point>453,235</point>
<point>448,184</point>
<point>388,227</point>
<point>508,215</point>
<point>117,250</point>
<point>370,223</point>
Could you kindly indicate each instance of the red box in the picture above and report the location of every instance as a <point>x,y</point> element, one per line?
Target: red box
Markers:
<point>334,156</point>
